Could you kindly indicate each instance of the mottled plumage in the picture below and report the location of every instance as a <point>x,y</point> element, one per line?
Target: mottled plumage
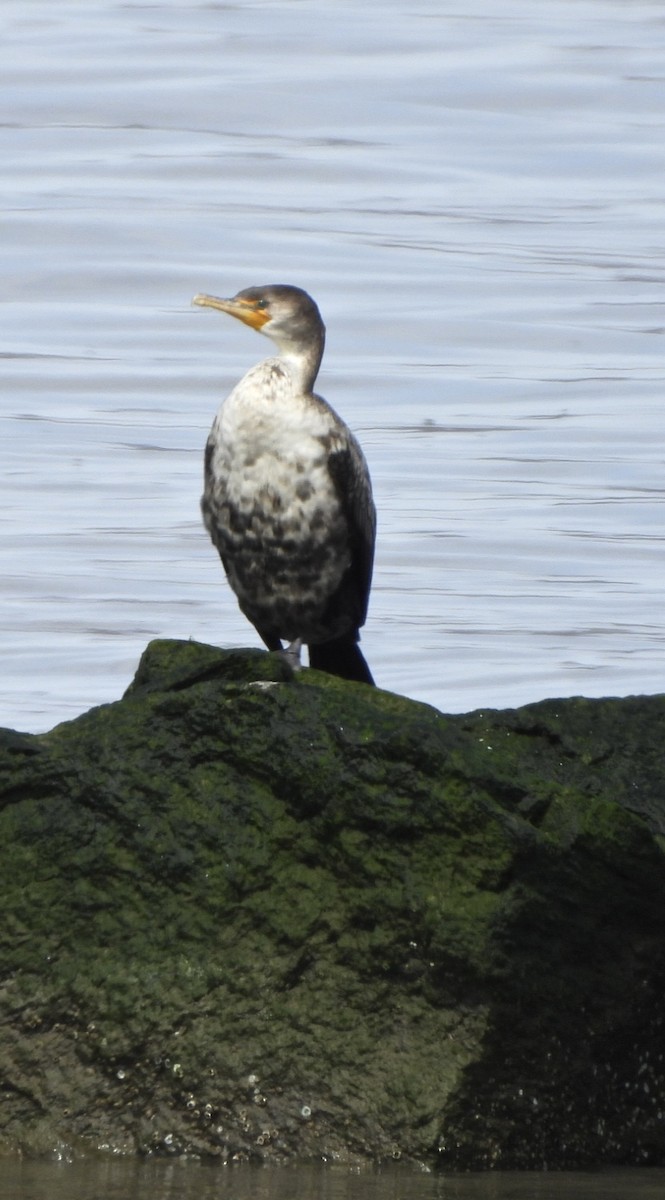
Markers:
<point>287,497</point>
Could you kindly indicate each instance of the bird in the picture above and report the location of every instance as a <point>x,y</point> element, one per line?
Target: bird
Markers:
<point>287,496</point>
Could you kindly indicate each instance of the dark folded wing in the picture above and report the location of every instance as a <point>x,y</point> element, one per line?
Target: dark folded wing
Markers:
<point>350,475</point>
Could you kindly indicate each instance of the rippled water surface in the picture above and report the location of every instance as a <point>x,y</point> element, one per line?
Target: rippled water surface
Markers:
<point>120,1180</point>
<point>473,193</point>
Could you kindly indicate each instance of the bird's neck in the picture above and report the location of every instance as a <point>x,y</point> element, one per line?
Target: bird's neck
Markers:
<point>303,362</point>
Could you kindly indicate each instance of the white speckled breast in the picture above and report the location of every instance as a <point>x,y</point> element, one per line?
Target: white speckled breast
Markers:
<point>271,507</point>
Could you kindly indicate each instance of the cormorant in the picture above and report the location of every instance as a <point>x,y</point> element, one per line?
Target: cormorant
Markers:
<point>287,496</point>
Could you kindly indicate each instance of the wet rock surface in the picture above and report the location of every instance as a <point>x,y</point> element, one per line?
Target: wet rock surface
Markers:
<point>252,915</point>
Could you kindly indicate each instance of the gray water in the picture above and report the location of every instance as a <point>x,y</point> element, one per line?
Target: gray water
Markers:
<point>474,195</point>
<point>121,1180</point>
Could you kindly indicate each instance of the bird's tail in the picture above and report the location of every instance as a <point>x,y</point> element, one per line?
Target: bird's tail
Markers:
<point>342,657</point>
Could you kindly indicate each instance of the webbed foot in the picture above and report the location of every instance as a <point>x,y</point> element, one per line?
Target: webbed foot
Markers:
<point>292,654</point>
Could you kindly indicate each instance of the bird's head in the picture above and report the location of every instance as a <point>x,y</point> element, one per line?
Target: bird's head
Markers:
<point>285,314</point>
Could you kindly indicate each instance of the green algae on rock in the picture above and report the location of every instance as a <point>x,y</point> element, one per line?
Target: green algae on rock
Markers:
<point>255,915</point>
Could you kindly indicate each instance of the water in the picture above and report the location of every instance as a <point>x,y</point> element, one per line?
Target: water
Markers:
<point>473,193</point>
<point>122,1180</point>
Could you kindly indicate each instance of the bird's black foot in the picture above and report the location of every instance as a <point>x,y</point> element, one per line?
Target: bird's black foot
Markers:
<point>292,654</point>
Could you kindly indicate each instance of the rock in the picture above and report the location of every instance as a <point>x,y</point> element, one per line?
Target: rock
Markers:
<point>252,915</point>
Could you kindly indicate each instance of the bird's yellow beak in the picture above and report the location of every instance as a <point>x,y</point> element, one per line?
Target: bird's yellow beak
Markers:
<point>248,311</point>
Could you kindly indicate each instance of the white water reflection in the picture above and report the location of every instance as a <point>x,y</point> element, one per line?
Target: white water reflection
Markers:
<point>473,195</point>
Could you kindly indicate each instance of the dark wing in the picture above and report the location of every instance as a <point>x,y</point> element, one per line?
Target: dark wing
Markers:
<point>350,474</point>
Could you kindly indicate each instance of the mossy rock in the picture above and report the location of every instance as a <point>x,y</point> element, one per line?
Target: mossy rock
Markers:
<point>256,915</point>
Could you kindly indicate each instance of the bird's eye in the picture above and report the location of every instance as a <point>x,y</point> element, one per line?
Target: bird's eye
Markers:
<point>261,303</point>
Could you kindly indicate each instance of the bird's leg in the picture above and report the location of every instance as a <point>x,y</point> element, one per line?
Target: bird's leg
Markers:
<point>292,654</point>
